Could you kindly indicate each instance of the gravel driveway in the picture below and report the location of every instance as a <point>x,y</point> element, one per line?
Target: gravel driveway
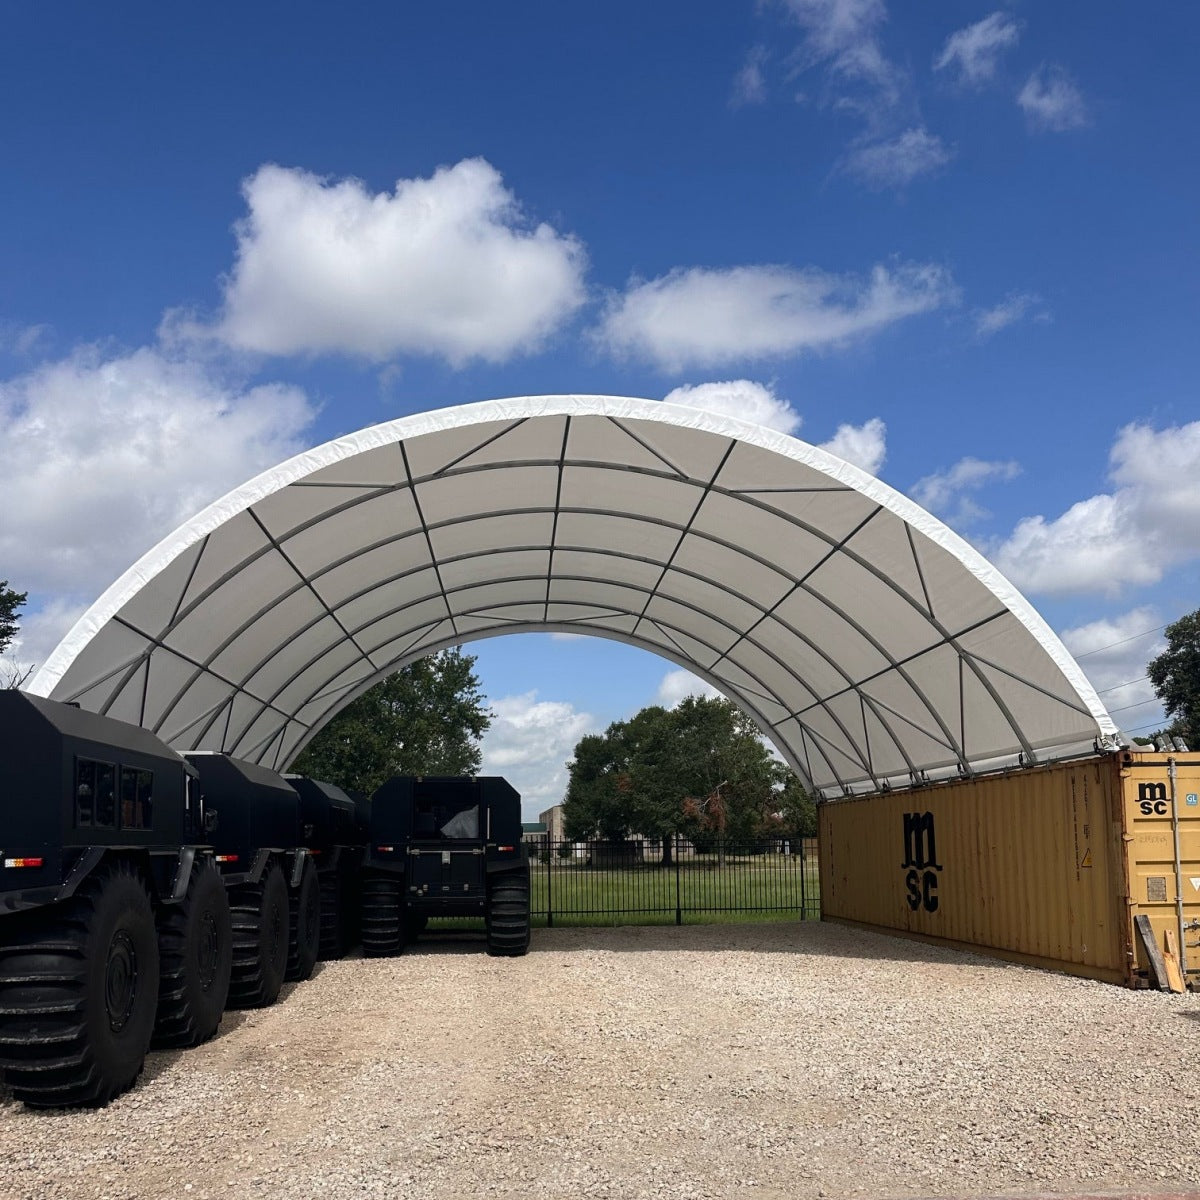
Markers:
<point>761,1061</point>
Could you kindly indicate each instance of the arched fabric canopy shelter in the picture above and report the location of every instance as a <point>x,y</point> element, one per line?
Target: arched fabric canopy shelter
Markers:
<point>869,642</point>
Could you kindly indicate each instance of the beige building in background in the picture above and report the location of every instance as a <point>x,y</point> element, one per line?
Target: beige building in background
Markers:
<point>552,818</point>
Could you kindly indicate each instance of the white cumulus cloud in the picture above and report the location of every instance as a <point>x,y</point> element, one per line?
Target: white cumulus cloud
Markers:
<point>1051,101</point>
<point>530,742</point>
<point>741,398</point>
<point>1132,535</point>
<point>974,52</point>
<point>677,686</point>
<point>704,317</point>
<point>897,161</point>
<point>101,456</point>
<point>863,445</point>
<point>947,493</point>
<point>443,266</point>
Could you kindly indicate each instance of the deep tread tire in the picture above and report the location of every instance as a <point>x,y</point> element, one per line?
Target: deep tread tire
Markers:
<point>335,939</point>
<point>78,992</point>
<point>304,927</point>
<point>383,918</point>
<point>507,918</point>
<point>352,903</point>
<point>195,943</point>
<point>260,940</point>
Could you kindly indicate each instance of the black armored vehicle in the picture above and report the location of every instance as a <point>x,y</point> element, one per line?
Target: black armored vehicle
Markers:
<point>331,829</point>
<point>114,922</point>
<point>254,818</point>
<point>445,847</point>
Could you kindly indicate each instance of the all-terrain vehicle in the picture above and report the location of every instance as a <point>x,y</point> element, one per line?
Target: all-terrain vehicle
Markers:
<point>274,894</point>
<point>330,828</point>
<point>114,923</point>
<point>445,847</point>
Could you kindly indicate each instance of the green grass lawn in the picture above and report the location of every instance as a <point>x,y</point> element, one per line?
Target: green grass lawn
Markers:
<point>767,888</point>
<point>762,888</point>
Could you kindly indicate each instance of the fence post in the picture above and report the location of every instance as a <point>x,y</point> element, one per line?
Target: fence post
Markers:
<point>678,908</point>
<point>803,883</point>
<point>550,885</point>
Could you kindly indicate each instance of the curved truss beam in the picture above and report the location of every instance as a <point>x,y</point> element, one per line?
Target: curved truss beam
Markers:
<point>777,626</point>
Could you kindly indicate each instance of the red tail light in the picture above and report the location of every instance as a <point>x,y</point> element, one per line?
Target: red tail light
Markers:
<point>23,862</point>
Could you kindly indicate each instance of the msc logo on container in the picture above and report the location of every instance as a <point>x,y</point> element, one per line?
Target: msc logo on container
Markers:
<point>920,861</point>
<point>1152,799</point>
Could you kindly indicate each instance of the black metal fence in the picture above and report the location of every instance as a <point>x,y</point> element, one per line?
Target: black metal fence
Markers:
<point>646,882</point>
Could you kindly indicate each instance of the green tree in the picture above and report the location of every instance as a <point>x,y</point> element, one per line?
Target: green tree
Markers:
<point>10,607</point>
<point>1175,674</point>
<point>627,779</point>
<point>795,814</point>
<point>699,769</point>
<point>426,719</point>
<point>597,799</point>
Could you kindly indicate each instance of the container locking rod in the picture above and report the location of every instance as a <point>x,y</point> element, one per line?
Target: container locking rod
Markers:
<point>1171,773</point>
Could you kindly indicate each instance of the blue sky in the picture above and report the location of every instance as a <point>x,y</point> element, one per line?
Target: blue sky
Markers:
<point>955,242</point>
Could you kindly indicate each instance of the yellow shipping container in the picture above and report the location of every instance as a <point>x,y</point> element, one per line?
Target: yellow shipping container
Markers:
<point>1048,865</point>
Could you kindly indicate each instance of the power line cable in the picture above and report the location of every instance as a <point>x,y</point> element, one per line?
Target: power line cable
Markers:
<point>1149,725</point>
<point>1115,686</point>
<point>1122,642</point>
<point>1139,704</point>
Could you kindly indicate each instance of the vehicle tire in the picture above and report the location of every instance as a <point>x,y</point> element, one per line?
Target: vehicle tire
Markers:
<point>304,928</point>
<point>78,992</point>
<point>352,903</point>
<point>507,918</point>
<point>195,945</point>
<point>334,932</point>
<point>383,920</point>
<point>260,940</point>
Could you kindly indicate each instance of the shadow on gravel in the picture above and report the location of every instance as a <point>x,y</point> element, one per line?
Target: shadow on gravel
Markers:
<point>232,1019</point>
<point>159,1061</point>
<point>449,941</point>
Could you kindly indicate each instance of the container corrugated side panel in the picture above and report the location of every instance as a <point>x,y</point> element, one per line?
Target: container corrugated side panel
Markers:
<point>1146,789</point>
<point>1028,864</point>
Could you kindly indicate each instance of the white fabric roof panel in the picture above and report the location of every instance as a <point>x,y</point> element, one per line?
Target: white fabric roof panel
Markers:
<point>869,642</point>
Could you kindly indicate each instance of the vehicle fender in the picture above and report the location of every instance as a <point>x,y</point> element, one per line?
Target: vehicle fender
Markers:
<point>300,857</point>
<point>183,875</point>
<point>259,866</point>
<point>87,862</point>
